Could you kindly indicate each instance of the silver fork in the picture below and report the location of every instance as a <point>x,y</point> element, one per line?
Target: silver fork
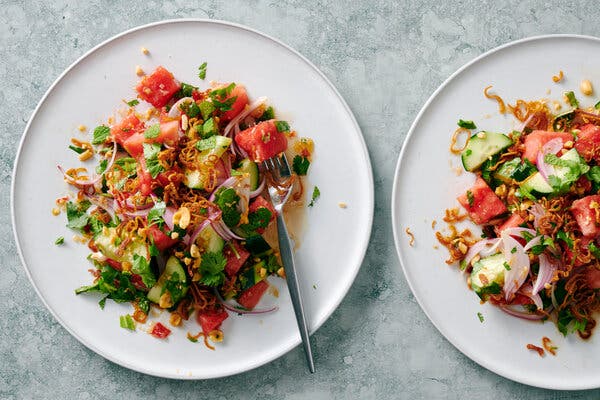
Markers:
<point>280,188</point>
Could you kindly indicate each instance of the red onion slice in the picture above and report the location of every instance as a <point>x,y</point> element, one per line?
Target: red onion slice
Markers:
<point>538,211</point>
<point>551,147</point>
<point>235,121</point>
<point>479,247</point>
<point>223,230</point>
<point>527,290</point>
<point>518,261</point>
<point>521,314</point>
<point>175,111</point>
<point>259,189</point>
<point>533,242</point>
<point>239,309</point>
<point>104,203</point>
<point>545,274</point>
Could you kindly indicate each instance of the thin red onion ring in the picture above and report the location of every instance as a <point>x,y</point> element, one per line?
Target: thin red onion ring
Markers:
<point>545,273</point>
<point>521,314</point>
<point>235,309</point>
<point>259,189</point>
<point>235,121</point>
<point>175,111</point>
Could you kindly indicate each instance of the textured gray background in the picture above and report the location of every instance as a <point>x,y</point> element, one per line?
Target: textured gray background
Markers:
<point>386,58</point>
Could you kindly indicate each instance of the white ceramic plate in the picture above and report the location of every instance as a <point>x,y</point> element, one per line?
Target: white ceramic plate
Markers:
<point>425,185</point>
<point>88,91</point>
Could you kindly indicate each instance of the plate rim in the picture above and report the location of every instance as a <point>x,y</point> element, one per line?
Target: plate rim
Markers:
<point>364,239</point>
<point>395,223</point>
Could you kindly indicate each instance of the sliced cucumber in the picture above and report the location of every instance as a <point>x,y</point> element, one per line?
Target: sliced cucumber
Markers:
<point>481,147</point>
<point>249,167</point>
<point>105,241</point>
<point>256,245</point>
<point>515,170</point>
<point>537,186</point>
<point>197,178</point>
<point>209,241</point>
<point>487,276</point>
<point>172,268</point>
<point>257,267</point>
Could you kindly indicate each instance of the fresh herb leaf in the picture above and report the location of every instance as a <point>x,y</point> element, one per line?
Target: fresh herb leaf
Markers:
<point>141,266</point>
<point>258,219</point>
<point>227,200</point>
<point>480,316</point>
<point>468,152</point>
<point>220,100</point>
<point>541,247</point>
<point>76,149</point>
<point>527,236</point>
<point>152,132</point>
<point>467,124</point>
<point>209,128</point>
<point>562,235</point>
<point>202,70</point>
<point>597,106</point>
<point>126,322</point>
<point>153,250</point>
<point>594,174</point>
<point>193,110</point>
<point>315,195</point>
<point>211,269</point>
<point>572,99</point>
<point>507,266</point>
<point>282,126</point>
<point>470,198</point>
<point>96,226</point>
<point>101,133</point>
<point>300,165</point>
<point>187,89</point>
<point>268,114</point>
<point>116,285</point>
<point>102,166</point>
<point>594,250</point>
<point>513,250</point>
<point>77,218</point>
<point>60,240</point>
<point>133,103</point>
<point>206,109</point>
<point>153,165</point>
<point>155,215</point>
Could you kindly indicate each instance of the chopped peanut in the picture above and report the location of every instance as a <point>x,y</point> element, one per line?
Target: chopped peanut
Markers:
<point>126,266</point>
<point>139,71</point>
<point>182,217</point>
<point>82,128</point>
<point>586,87</point>
<point>165,301</point>
<point>175,319</point>
<point>194,251</point>
<point>144,51</point>
<point>55,211</point>
<point>341,204</point>
<point>281,272</point>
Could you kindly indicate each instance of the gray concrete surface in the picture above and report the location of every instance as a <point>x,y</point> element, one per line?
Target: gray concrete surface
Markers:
<point>386,57</point>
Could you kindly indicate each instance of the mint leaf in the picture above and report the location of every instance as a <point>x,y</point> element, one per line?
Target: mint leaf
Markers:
<point>101,133</point>
<point>466,124</point>
<point>153,166</point>
<point>207,144</point>
<point>155,215</point>
<point>202,70</point>
<point>141,266</point>
<point>77,218</point>
<point>300,165</point>
<point>282,126</point>
<point>315,195</point>
<point>133,103</point>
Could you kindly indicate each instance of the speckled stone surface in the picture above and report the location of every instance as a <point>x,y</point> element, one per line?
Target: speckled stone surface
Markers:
<point>386,58</point>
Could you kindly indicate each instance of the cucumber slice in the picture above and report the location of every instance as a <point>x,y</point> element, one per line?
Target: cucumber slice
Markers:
<point>209,241</point>
<point>537,186</point>
<point>196,179</point>
<point>481,147</point>
<point>487,276</point>
<point>247,166</point>
<point>515,170</point>
<point>256,245</point>
<point>173,267</point>
<point>105,241</point>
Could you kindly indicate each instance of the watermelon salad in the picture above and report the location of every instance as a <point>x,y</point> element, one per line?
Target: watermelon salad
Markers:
<point>172,203</point>
<point>536,198</point>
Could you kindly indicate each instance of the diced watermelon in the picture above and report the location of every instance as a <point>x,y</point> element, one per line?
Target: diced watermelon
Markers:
<point>211,320</point>
<point>585,211</point>
<point>171,176</point>
<point>582,246</point>
<point>481,202</point>
<point>537,139</point>
<point>238,105</point>
<point>588,142</point>
<point>169,133</point>
<point>158,87</point>
<point>251,296</point>
<point>261,202</point>
<point>127,127</point>
<point>144,177</point>
<point>514,221</point>
<point>134,145</point>
<point>234,261</point>
<point>262,141</point>
<point>160,331</point>
<point>593,277</point>
<point>160,239</point>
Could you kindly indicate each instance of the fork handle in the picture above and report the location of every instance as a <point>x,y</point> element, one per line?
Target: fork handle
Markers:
<point>285,249</point>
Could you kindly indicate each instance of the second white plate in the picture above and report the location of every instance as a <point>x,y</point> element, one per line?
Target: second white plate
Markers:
<point>426,184</point>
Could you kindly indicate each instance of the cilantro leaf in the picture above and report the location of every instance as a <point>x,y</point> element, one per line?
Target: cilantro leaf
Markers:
<point>227,200</point>
<point>133,103</point>
<point>187,89</point>
<point>209,128</point>
<point>77,218</point>
<point>467,124</point>
<point>101,133</point>
<point>155,215</point>
<point>141,266</point>
<point>300,165</point>
<point>220,98</point>
<point>268,114</point>
<point>60,240</point>
<point>594,250</point>
<point>202,70</point>
<point>152,131</point>
<point>258,219</point>
<point>282,126</point>
<point>206,109</point>
<point>211,269</point>
<point>562,235</point>
<point>153,165</point>
<point>315,195</point>
<point>116,285</point>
